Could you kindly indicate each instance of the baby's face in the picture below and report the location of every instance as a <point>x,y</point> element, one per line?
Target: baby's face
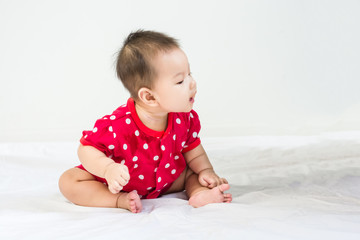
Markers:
<point>174,87</point>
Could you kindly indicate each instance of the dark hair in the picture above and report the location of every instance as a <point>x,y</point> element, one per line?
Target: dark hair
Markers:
<point>134,62</point>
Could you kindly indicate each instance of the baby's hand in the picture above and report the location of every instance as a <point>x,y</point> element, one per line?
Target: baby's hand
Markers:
<point>117,176</point>
<point>208,178</point>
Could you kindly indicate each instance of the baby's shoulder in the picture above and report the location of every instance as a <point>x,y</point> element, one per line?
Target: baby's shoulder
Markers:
<point>121,111</point>
<point>119,114</point>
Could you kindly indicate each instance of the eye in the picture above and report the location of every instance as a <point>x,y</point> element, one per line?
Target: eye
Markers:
<point>180,82</point>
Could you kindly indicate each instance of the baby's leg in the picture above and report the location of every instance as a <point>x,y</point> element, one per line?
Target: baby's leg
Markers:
<point>200,195</point>
<point>81,188</point>
<point>179,184</point>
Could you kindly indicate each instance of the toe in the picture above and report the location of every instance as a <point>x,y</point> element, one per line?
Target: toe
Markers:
<point>138,210</point>
<point>132,208</point>
<point>227,197</point>
<point>224,187</point>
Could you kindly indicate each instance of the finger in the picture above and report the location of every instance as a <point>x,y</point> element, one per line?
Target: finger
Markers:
<point>125,173</point>
<point>222,181</point>
<point>112,190</point>
<point>116,186</point>
<point>121,181</point>
<point>203,182</point>
<point>212,183</point>
<point>126,177</point>
<point>218,181</point>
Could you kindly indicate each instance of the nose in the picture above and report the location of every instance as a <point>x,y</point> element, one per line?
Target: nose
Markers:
<point>192,83</point>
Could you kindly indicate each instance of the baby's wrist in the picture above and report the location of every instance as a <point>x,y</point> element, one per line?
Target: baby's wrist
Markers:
<point>210,169</point>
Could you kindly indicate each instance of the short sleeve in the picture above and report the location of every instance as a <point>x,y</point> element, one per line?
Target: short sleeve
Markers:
<point>193,139</point>
<point>101,137</point>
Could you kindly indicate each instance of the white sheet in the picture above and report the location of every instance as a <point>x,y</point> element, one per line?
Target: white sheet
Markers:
<point>289,187</point>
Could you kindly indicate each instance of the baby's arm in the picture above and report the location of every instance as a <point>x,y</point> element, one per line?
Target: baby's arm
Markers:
<point>199,163</point>
<point>96,162</point>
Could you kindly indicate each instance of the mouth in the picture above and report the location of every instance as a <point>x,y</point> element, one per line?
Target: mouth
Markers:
<point>192,99</point>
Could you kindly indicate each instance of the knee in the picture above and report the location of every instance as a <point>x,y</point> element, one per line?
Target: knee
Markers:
<point>66,180</point>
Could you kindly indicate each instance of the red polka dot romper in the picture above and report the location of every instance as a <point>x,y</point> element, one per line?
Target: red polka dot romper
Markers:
<point>155,159</point>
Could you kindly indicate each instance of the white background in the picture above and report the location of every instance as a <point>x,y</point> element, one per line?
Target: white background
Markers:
<point>262,67</point>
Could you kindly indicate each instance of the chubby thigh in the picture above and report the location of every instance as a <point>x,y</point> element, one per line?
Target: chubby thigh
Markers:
<point>81,188</point>
<point>152,184</point>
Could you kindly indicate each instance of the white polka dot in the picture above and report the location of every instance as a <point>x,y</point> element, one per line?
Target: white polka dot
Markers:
<point>95,130</point>
<point>194,134</point>
<point>141,177</point>
<point>110,129</point>
<point>128,121</point>
<point>137,133</point>
<point>167,165</point>
<point>174,137</point>
<point>122,162</point>
<point>135,166</point>
<point>149,188</point>
<point>156,158</point>
<point>159,179</point>
<point>85,136</point>
<point>192,116</point>
<point>176,157</point>
<point>163,147</point>
<point>155,170</point>
<point>111,147</point>
<point>173,171</point>
<point>114,135</point>
<point>178,121</point>
<point>135,158</point>
<point>112,117</point>
<point>182,144</point>
<point>124,146</point>
<point>146,146</point>
<point>185,146</point>
<point>165,185</point>
<point>128,113</point>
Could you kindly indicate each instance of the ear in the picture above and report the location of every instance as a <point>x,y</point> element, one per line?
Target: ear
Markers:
<point>147,97</point>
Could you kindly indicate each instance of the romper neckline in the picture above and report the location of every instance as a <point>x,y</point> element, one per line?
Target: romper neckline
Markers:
<point>141,125</point>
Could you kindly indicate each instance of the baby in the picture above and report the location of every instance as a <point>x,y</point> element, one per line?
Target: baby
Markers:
<point>149,146</point>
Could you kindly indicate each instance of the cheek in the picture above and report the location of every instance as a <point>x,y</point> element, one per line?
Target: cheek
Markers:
<point>169,98</point>
<point>169,95</point>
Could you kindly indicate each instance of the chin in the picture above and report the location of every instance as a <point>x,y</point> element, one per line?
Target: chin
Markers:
<point>185,110</point>
<point>188,110</point>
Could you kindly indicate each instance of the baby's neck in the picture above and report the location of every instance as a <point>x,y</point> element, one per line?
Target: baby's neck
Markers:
<point>156,121</point>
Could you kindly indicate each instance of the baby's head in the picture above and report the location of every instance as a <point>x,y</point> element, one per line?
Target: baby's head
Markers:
<point>135,61</point>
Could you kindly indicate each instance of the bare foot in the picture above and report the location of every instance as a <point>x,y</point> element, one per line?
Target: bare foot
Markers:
<point>215,195</point>
<point>130,201</point>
